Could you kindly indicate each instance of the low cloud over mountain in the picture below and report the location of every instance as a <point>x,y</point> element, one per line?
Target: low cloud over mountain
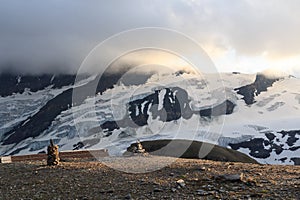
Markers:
<point>55,36</point>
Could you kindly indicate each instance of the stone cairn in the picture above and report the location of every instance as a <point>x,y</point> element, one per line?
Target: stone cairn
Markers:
<point>53,154</point>
<point>139,150</point>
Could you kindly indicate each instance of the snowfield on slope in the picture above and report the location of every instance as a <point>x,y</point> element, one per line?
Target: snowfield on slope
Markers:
<point>274,110</point>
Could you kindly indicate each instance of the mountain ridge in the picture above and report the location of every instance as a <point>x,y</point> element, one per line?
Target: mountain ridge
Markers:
<point>116,106</point>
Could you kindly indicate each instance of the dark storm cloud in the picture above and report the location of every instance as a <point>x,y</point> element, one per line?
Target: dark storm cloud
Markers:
<point>55,36</point>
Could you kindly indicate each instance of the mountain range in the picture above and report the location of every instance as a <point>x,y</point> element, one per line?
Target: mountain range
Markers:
<point>256,114</point>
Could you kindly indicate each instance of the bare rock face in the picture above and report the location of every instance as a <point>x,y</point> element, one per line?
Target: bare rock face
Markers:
<point>53,154</point>
<point>261,84</point>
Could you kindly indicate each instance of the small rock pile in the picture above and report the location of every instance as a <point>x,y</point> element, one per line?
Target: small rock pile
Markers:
<point>139,150</point>
<point>53,154</point>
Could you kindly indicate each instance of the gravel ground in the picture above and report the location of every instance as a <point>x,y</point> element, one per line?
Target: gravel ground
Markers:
<point>182,179</point>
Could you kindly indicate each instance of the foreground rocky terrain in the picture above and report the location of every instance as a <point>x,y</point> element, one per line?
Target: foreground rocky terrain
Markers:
<point>183,179</point>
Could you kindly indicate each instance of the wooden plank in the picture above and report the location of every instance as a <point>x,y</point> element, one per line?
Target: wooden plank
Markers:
<point>83,154</point>
<point>63,155</point>
<point>29,157</point>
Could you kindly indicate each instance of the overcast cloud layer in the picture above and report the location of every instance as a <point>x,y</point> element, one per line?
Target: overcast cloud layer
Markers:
<point>55,36</point>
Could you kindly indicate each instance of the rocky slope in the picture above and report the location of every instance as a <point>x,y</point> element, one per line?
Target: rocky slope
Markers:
<point>11,83</point>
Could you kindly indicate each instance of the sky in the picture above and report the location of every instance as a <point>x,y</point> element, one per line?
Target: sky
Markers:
<point>55,36</point>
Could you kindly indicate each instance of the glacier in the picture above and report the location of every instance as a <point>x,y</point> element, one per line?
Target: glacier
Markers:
<point>274,112</point>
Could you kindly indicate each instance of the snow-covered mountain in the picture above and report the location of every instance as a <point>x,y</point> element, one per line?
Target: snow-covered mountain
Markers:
<point>255,114</point>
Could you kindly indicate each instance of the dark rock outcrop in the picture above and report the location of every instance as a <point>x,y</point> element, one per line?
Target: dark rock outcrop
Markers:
<point>39,122</point>
<point>296,161</point>
<point>10,83</point>
<point>261,84</point>
<point>256,147</point>
<point>225,108</point>
<point>175,105</point>
<point>263,147</point>
<point>291,136</point>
